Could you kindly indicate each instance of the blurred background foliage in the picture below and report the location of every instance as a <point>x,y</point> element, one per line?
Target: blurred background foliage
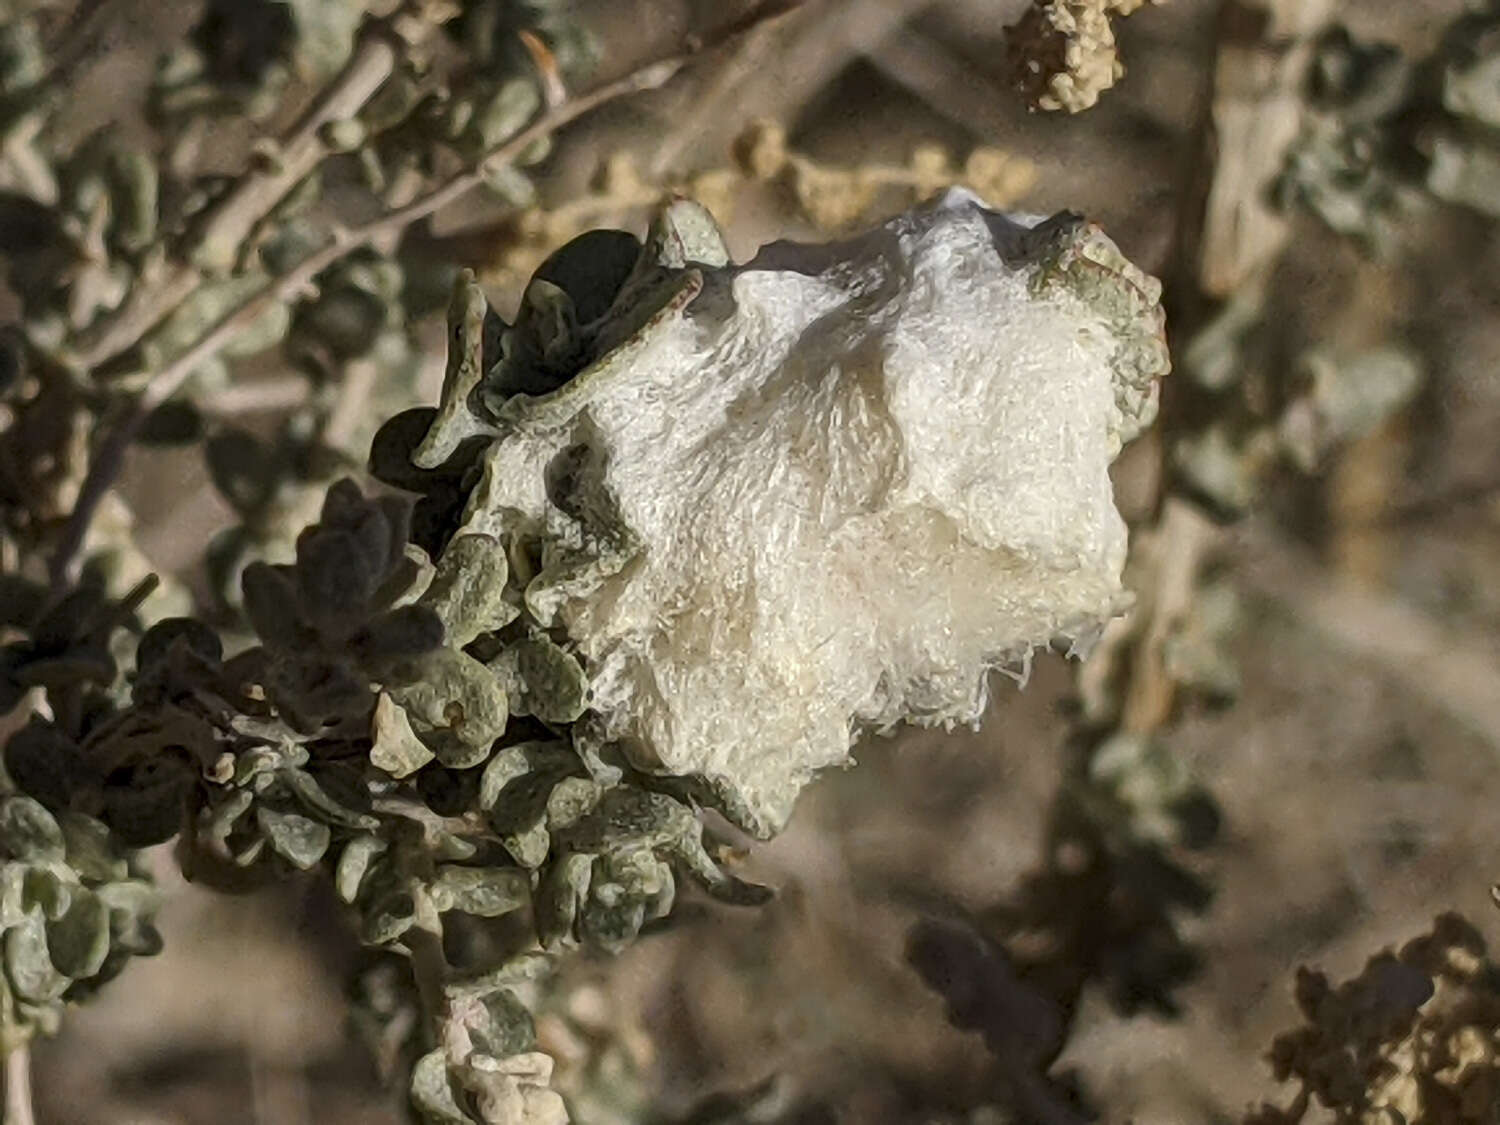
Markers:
<point>1092,909</point>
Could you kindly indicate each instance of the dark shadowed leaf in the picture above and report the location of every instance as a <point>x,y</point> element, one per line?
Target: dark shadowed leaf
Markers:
<point>79,940</point>
<point>43,762</point>
<point>173,423</point>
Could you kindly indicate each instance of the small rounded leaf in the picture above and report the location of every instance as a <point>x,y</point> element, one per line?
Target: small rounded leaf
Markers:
<point>44,888</point>
<point>91,852</point>
<point>29,965</point>
<point>43,762</point>
<point>388,918</point>
<point>467,591</point>
<point>195,636</point>
<point>450,692</point>
<point>149,810</point>
<point>395,747</point>
<point>506,1027</point>
<point>556,685</point>
<point>28,831</point>
<point>485,892</point>
<point>172,423</point>
<point>432,1095</point>
<point>354,864</point>
<point>270,600</point>
<point>297,839</point>
<point>243,469</point>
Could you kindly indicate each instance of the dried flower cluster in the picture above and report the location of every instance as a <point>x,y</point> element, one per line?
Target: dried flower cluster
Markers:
<point>1385,132</point>
<point>1062,53</point>
<point>833,198</point>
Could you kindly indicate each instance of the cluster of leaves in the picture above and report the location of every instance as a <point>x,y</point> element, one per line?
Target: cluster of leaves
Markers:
<point>354,345</point>
<point>395,719</point>
<point>400,719</point>
<point>1253,413</point>
<point>77,904</point>
<point>74,909</point>
<point>405,724</point>
<point>126,256</point>
<point>1387,131</point>
<point>1414,1037</point>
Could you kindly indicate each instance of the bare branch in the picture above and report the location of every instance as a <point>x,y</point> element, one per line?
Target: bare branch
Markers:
<point>18,1109</point>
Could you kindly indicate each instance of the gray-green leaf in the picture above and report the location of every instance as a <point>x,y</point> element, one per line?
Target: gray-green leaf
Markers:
<point>354,863</point>
<point>486,892</point>
<point>28,964</point>
<point>298,839</point>
<point>29,832</point>
<point>395,747</point>
<point>431,1093</point>
<point>556,684</point>
<point>388,919</point>
<point>89,849</point>
<point>467,591</point>
<point>450,691</point>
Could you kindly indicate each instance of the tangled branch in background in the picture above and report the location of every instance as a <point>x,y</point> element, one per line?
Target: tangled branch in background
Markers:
<point>834,199</point>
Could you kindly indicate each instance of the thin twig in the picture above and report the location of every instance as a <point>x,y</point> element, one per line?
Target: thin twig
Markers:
<point>1178,545</point>
<point>18,1109</point>
<point>107,462</point>
<point>947,83</point>
<point>216,237</point>
<point>708,104</point>
<point>429,968</point>
<point>260,396</point>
